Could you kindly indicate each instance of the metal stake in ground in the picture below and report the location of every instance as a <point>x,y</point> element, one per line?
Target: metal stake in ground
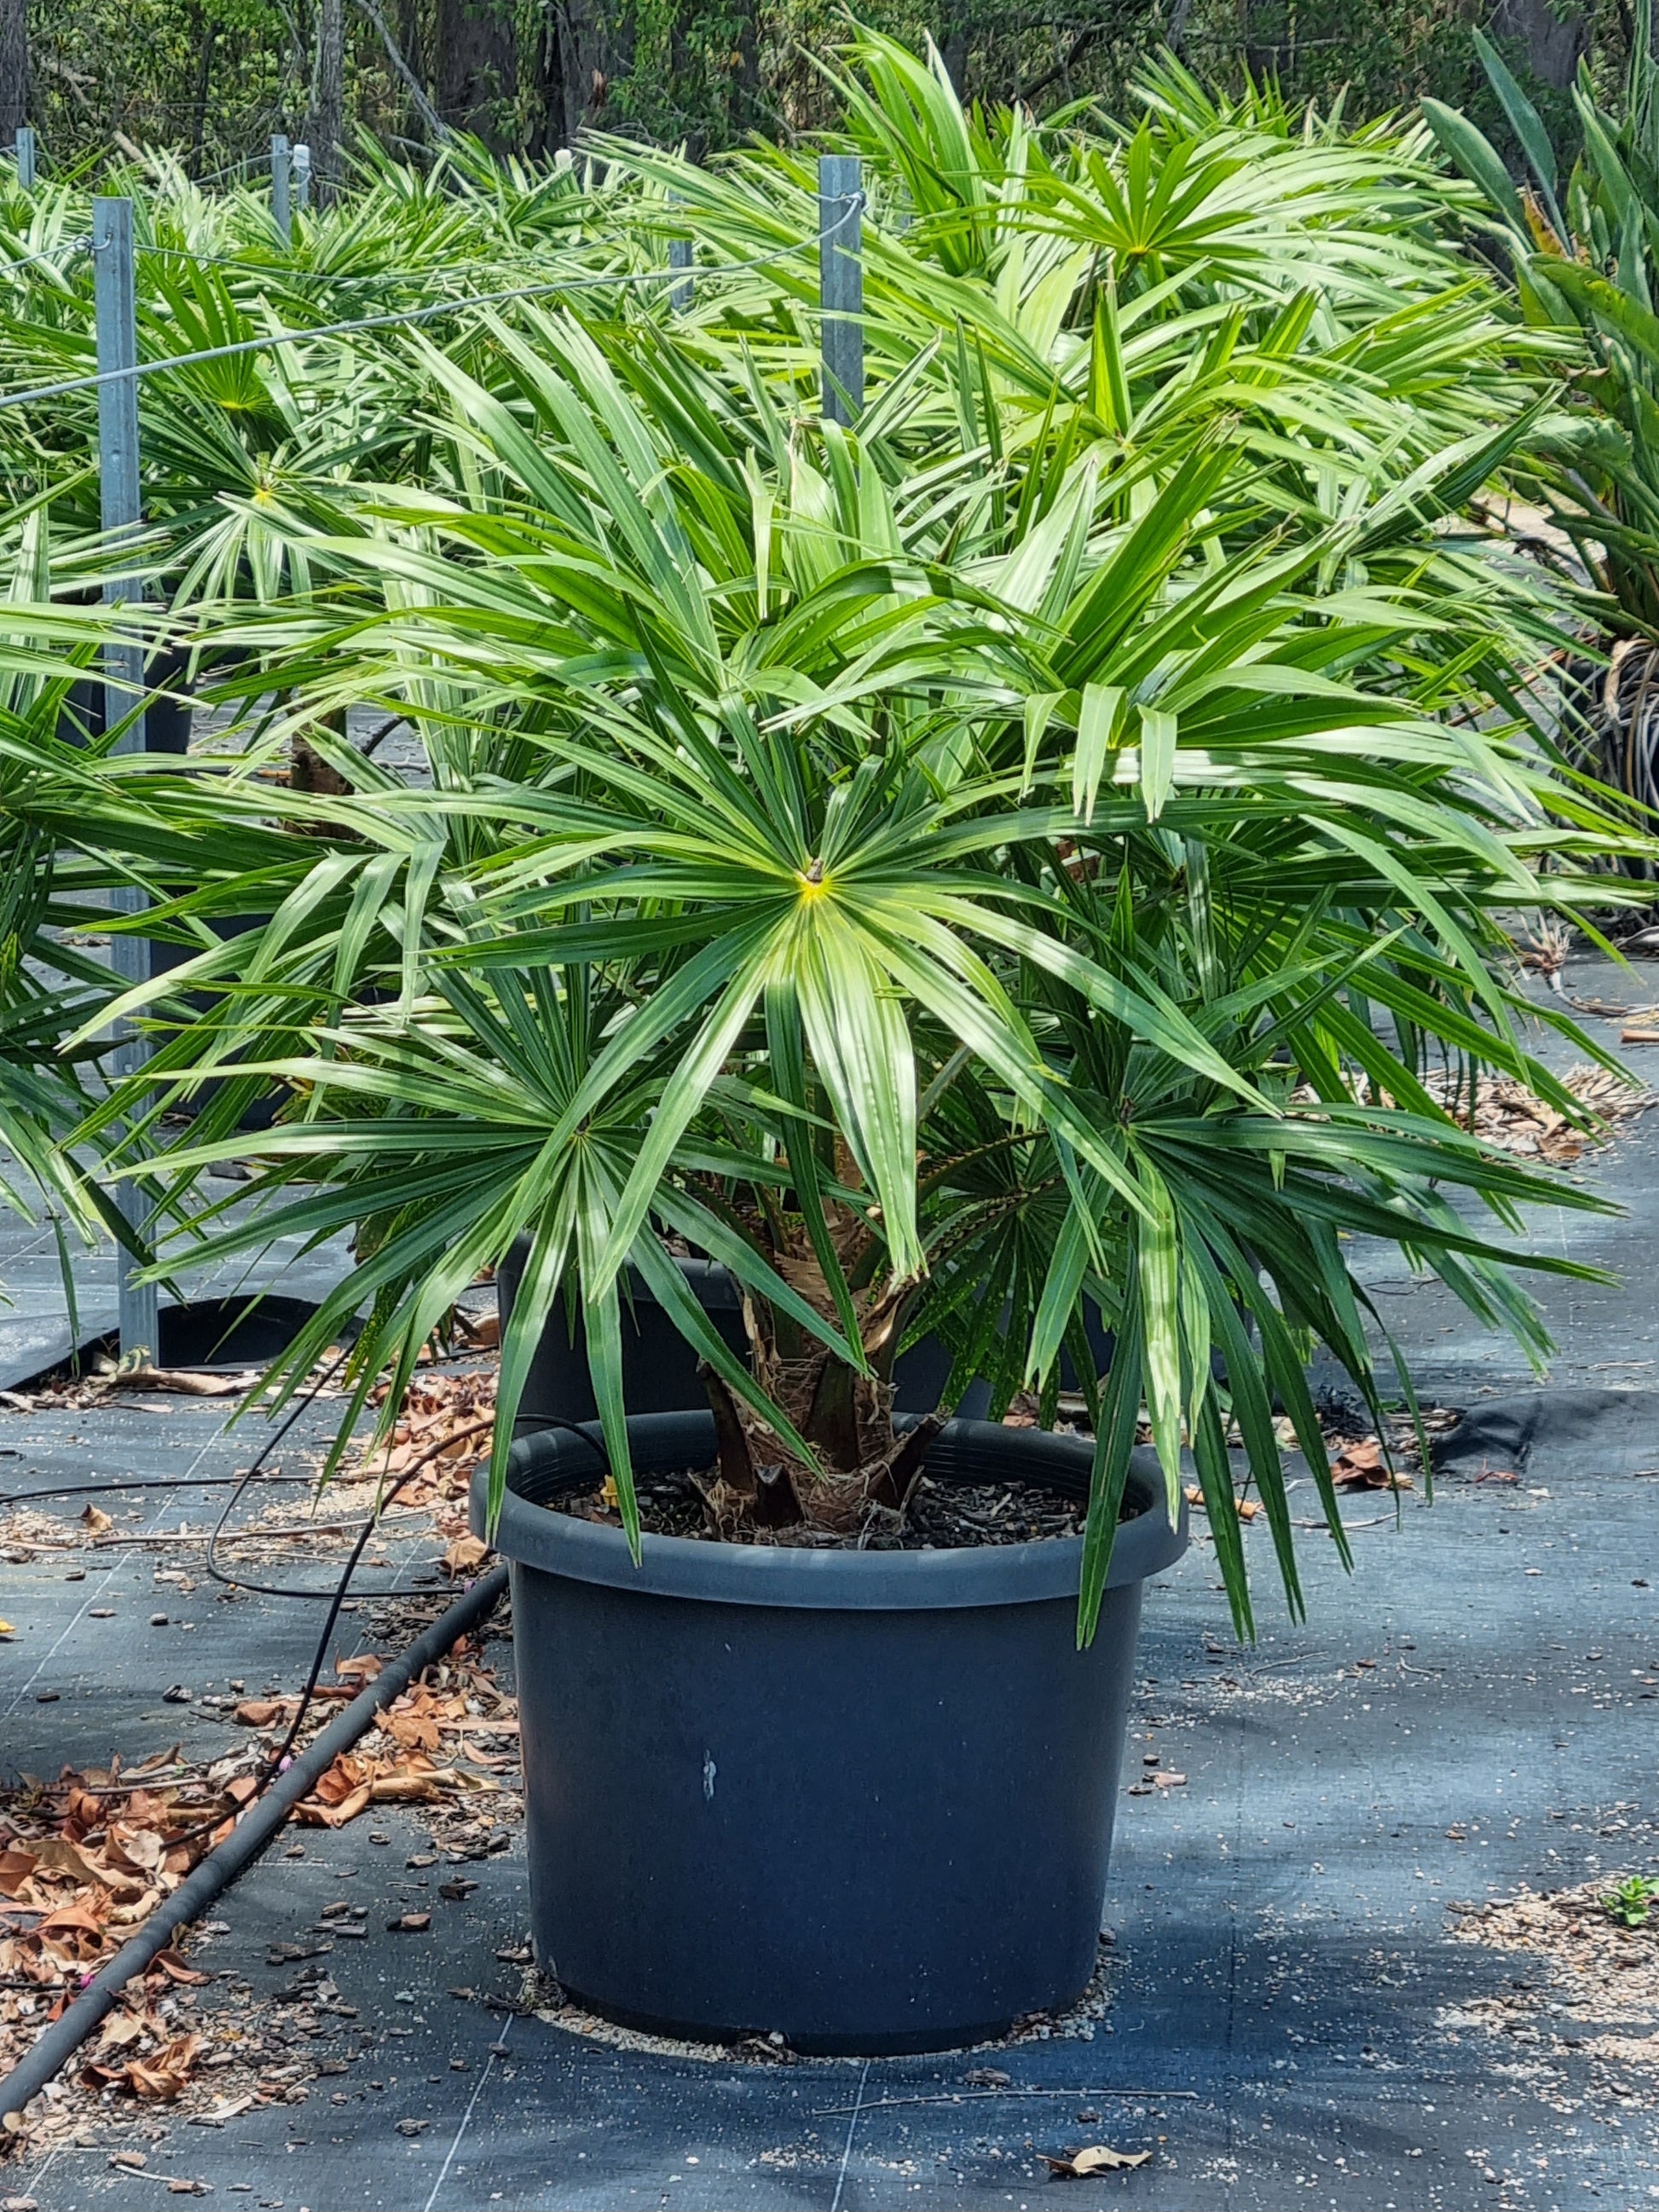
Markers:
<point>281,201</point>
<point>679,257</point>
<point>23,146</point>
<point>841,286</point>
<point>116,314</point>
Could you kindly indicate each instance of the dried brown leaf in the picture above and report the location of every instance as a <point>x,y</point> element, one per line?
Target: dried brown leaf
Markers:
<point>464,1554</point>
<point>1095,2157</point>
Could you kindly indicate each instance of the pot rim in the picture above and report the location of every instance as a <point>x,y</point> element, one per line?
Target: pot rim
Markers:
<point>533,1535</point>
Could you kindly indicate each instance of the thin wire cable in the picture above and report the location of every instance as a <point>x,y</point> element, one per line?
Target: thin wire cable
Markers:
<point>203,1482</point>
<point>53,253</point>
<point>250,162</point>
<point>274,1760</point>
<point>595,1444</point>
<point>233,1581</point>
<point>283,271</point>
<point>404,317</point>
<point>242,1480</point>
<point>277,1589</point>
<point>271,1765</point>
<point>286,270</point>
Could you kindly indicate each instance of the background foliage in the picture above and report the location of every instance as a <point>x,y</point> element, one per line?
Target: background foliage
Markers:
<point>210,79</point>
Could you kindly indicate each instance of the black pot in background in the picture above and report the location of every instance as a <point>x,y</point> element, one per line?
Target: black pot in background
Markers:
<point>864,1799</point>
<point>659,1368</point>
<point>261,1113</point>
<point>166,721</point>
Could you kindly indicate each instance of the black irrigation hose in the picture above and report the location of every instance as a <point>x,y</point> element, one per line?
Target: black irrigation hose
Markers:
<point>258,1825</point>
<point>278,1791</point>
<point>146,1482</point>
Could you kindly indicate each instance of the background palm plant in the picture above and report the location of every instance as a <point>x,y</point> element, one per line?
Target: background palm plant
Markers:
<point>68,836</point>
<point>213,271</point>
<point>1213,267</point>
<point>1581,244</point>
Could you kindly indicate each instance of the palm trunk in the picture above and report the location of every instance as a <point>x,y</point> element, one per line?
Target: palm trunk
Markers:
<point>864,1471</point>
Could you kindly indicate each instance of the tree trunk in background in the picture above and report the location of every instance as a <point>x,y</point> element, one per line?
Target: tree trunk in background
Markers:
<point>548,130</point>
<point>477,71</point>
<point>583,51</point>
<point>407,16</point>
<point>1548,44</point>
<point>953,47</point>
<point>14,68</point>
<point>204,35</point>
<point>681,65</point>
<point>749,70</point>
<point>1262,31</point>
<point>328,99</point>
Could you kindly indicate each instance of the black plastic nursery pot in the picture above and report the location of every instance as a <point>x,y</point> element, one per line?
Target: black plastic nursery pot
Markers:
<point>224,1335</point>
<point>863,1799</point>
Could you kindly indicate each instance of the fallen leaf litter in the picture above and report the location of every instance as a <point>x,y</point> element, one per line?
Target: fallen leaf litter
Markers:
<point>86,1857</point>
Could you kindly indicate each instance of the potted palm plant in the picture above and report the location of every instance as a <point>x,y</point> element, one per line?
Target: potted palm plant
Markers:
<point>940,906</point>
<point>1003,875</point>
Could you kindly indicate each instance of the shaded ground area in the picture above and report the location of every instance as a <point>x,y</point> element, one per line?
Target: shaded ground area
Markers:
<point>36,1327</point>
<point>1606,1335</point>
<point>1297,2013</point>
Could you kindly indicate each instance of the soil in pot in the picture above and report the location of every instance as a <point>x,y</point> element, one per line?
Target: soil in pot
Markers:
<point>941,1516</point>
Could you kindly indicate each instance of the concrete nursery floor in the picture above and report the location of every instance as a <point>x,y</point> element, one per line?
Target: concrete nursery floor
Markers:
<point>1295,2015</point>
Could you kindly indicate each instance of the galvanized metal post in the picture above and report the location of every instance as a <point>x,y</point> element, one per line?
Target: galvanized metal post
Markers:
<point>282,199</point>
<point>680,292</point>
<point>840,285</point>
<point>25,148</point>
<point>116,316</point>
<point>303,176</point>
